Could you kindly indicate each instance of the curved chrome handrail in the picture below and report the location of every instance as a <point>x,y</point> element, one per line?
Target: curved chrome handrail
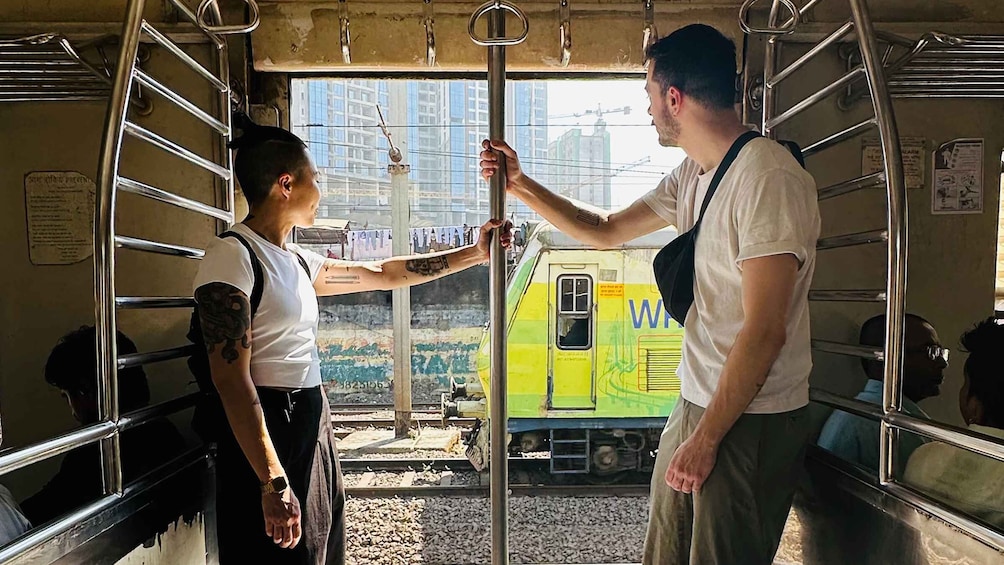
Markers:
<point>254,18</point>
<point>498,5</point>
<point>786,28</point>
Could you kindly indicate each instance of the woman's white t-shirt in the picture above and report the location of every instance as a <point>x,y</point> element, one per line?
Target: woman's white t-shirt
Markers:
<point>284,328</point>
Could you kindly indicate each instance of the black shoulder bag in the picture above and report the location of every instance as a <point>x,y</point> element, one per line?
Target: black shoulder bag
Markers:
<point>674,265</point>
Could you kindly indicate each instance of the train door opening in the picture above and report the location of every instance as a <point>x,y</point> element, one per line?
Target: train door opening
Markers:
<point>572,355</point>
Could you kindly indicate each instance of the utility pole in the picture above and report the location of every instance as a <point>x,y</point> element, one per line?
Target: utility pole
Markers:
<point>401,297</point>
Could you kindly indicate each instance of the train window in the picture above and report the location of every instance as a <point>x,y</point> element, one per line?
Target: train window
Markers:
<point>590,140</point>
<point>575,308</point>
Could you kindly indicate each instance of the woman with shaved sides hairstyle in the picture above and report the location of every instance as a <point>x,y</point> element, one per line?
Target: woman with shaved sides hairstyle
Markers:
<point>280,496</point>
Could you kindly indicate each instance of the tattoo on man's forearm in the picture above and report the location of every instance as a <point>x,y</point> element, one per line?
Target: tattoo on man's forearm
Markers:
<point>342,279</point>
<point>587,217</point>
<point>427,266</point>
<point>225,314</point>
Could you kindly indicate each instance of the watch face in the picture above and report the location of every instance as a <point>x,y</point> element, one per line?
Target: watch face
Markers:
<point>279,484</point>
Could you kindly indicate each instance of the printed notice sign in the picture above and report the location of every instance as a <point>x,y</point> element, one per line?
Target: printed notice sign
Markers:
<point>913,152</point>
<point>957,186</point>
<point>611,291</point>
<point>60,210</point>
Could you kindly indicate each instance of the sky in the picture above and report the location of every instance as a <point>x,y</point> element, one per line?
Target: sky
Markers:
<point>632,137</point>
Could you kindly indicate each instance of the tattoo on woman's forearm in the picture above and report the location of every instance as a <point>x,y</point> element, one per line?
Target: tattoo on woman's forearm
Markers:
<point>427,266</point>
<point>587,217</point>
<point>225,314</point>
<point>342,279</point>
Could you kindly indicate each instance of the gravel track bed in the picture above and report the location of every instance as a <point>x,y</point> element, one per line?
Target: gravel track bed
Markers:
<point>456,531</point>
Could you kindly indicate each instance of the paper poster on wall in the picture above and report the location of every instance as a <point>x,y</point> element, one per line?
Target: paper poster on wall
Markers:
<point>60,210</point>
<point>957,184</point>
<point>913,151</point>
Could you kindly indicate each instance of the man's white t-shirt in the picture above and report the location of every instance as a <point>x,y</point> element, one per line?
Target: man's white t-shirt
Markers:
<point>284,328</point>
<point>765,205</point>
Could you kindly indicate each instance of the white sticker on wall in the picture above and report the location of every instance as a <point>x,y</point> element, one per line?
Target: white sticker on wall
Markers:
<point>913,151</point>
<point>957,186</point>
<point>60,211</point>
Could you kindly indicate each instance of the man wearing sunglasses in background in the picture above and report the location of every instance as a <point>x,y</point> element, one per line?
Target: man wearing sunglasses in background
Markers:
<point>856,439</point>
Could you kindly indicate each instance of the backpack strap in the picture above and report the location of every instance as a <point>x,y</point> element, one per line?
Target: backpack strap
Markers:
<point>723,167</point>
<point>256,288</point>
<point>303,263</point>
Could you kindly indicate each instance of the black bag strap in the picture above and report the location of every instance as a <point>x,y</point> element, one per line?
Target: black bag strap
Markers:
<point>723,167</point>
<point>303,263</point>
<point>256,288</point>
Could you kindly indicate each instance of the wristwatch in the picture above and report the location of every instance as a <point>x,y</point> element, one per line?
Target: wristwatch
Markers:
<point>274,486</point>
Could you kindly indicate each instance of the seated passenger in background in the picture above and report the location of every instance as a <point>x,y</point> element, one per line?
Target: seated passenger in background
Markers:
<point>71,368</point>
<point>856,439</point>
<point>966,480</point>
<point>12,521</point>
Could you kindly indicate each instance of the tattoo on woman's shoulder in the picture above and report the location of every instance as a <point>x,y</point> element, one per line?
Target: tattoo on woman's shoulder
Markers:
<point>225,314</point>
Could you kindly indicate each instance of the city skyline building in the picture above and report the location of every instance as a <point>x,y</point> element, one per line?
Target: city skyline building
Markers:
<point>439,126</point>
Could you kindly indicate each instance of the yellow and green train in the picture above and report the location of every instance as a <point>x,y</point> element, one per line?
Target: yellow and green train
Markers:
<point>592,357</point>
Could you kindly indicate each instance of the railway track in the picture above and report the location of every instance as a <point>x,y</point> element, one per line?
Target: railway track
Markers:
<point>405,472</point>
<point>420,419</point>
<point>366,491</point>
<point>441,464</point>
<point>364,408</point>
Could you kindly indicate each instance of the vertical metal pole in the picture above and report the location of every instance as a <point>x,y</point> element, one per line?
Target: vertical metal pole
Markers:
<point>498,468</point>
<point>892,390</point>
<point>400,221</point>
<point>771,49</point>
<point>226,157</point>
<point>104,247</point>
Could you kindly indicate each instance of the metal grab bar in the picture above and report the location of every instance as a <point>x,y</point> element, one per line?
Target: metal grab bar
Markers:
<point>160,410</point>
<point>865,486</point>
<point>843,135</point>
<point>851,77</point>
<point>137,359</point>
<point>138,244</point>
<point>816,49</point>
<point>343,31</point>
<point>429,21</point>
<point>848,349</point>
<point>135,187</point>
<point>500,5</point>
<point>877,295</point>
<point>162,142</point>
<point>876,179</point>
<point>252,24</point>
<point>498,414</point>
<point>37,537</point>
<point>173,48</point>
<point>137,302</point>
<point>849,240</point>
<point>565,32</point>
<point>784,29</point>
<point>896,250</point>
<point>962,438</point>
<point>185,104</point>
<point>30,454</point>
